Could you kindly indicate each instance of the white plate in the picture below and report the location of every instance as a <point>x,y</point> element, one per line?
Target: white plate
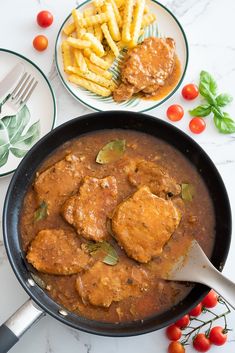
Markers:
<point>35,120</point>
<point>166,26</point>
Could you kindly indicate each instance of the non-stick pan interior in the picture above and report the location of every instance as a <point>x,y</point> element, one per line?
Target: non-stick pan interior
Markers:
<point>25,174</point>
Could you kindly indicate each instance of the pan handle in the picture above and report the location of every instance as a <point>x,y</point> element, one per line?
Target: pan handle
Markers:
<point>17,324</point>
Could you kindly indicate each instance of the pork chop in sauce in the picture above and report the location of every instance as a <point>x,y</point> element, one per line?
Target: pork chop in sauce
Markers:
<point>88,210</point>
<point>142,172</point>
<point>56,183</point>
<point>143,224</point>
<point>146,68</point>
<point>103,284</point>
<point>57,252</point>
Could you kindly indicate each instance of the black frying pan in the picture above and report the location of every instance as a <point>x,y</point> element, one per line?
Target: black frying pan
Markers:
<point>40,303</point>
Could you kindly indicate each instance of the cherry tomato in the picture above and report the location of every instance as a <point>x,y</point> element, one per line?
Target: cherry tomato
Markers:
<point>210,300</point>
<point>218,335</point>
<point>175,112</point>
<point>40,42</point>
<point>201,343</point>
<point>196,311</point>
<point>197,125</point>
<point>183,322</point>
<point>173,332</point>
<point>190,91</point>
<point>44,18</point>
<point>176,347</point>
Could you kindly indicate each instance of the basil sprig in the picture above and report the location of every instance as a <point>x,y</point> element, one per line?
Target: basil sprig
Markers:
<point>214,102</point>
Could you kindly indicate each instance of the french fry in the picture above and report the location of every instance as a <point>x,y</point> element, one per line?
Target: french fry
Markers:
<point>109,58</point>
<point>80,60</point>
<point>89,12</point>
<point>148,19</point>
<point>112,23</point>
<point>99,62</point>
<point>94,20</point>
<point>97,70</point>
<point>91,76</point>
<point>69,29</point>
<point>96,46</point>
<point>146,9</point>
<point>66,55</point>
<point>137,21</point>
<point>98,33</point>
<point>78,43</point>
<point>120,3</point>
<point>90,30</point>
<point>87,52</point>
<point>76,18</point>
<point>126,28</point>
<point>98,3</point>
<point>109,39</point>
<point>91,86</point>
<point>116,12</point>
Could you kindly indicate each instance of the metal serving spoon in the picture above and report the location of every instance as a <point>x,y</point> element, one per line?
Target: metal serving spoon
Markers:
<point>196,267</point>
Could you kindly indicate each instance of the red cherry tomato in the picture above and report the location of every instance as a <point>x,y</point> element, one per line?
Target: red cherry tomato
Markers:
<point>175,112</point>
<point>176,347</point>
<point>196,311</point>
<point>210,300</point>
<point>44,18</point>
<point>173,332</point>
<point>201,343</point>
<point>197,125</point>
<point>40,42</point>
<point>190,91</point>
<point>218,335</point>
<point>183,322</point>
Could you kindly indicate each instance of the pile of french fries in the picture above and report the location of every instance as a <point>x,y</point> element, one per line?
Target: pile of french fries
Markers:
<point>95,38</point>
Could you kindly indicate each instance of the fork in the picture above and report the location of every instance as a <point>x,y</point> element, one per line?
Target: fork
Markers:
<point>20,95</point>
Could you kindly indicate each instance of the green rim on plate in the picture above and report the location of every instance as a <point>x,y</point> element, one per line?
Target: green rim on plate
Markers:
<point>50,88</point>
<point>143,110</point>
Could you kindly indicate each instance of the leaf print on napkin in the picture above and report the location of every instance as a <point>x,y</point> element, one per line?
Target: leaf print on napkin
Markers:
<point>14,135</point>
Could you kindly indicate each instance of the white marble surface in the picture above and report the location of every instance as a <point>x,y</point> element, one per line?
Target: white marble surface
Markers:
<point>210,28</point>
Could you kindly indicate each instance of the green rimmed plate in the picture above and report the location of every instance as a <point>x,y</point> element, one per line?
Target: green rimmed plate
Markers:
<point>166,25</point>
<point>20,132</point>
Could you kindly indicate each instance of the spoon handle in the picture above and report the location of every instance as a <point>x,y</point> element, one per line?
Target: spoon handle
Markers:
<point>221,284</point>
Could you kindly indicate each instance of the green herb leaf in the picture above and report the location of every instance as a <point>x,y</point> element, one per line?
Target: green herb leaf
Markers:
<point>41,212</point>
<point>225,125</point>
<point>105,251</point>
<point>207,84</point>
<point>201,110</point>
<point>223,99</point>
<point>187,192</point>
<point>111,152</point>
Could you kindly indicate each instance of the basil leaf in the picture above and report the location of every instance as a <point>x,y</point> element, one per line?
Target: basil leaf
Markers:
<point>207,83</point>
<point>105,250</point>
<point>41,212</point>
<point>111,152</point>
<point>225,125</point>
<point>223,99</point>
<point>187,191</point>
<point>201,110</point>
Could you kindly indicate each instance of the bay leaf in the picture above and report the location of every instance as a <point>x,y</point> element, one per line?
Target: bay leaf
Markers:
<point>41,212</point>
<point>187,191</point>
<point>103,251</point>
<point>111,152</point>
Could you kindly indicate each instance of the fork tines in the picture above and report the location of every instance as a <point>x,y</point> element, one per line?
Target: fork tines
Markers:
<point>24,89</point>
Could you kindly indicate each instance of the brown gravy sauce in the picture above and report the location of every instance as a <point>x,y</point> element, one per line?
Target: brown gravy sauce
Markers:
<point>169,85</point>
